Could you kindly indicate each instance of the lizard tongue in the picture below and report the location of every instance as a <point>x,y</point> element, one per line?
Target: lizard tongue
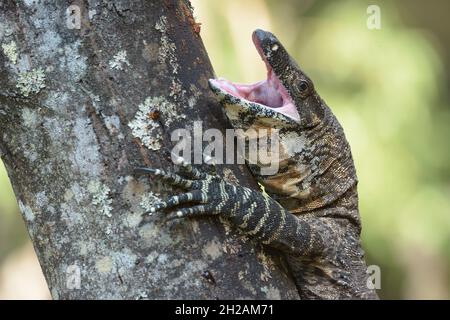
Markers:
<point>260,92</point>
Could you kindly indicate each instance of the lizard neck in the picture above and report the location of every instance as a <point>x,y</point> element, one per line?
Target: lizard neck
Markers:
<point>317,173</point>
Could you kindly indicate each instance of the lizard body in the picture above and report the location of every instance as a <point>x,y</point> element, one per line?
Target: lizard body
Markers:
<point>310,209</point>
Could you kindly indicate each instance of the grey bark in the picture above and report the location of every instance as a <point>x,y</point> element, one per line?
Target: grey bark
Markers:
<point>77,110</point>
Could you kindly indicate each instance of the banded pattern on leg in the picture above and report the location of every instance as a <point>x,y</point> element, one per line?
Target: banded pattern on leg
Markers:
<point>254,213</point>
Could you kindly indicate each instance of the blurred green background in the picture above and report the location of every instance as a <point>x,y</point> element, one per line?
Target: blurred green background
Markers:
<point>389,89</point>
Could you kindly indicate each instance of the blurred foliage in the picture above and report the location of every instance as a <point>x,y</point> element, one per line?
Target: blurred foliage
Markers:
<point>388,88</point>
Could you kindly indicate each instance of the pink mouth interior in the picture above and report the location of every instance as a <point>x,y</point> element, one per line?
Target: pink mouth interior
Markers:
<point>269,93</point>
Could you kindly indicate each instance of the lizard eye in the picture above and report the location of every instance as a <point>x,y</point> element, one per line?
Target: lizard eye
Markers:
<point>303,86</point>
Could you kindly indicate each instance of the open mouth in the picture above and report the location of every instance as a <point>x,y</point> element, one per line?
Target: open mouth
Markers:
<point>269,93</point>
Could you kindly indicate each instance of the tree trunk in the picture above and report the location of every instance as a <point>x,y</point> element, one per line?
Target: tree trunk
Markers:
<point>88,92</point>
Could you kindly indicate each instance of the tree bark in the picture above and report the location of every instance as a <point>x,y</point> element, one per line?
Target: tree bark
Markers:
<point>81,105</point>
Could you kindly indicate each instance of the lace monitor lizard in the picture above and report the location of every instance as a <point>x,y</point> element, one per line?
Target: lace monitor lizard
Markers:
<point>310,209</point>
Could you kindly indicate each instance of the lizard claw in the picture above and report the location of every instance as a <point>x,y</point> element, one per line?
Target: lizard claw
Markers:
<point>171,178</point>
<point>195,196</point>
<point>192,211</point>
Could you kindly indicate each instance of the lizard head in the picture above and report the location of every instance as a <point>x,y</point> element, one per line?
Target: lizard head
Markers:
<point>286,96</point>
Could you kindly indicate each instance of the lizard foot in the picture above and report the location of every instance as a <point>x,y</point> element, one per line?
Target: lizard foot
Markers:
<point>206,195</point>
<point>203,192</point>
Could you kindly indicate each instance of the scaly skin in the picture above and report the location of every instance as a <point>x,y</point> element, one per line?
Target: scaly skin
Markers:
<point>310,212</point>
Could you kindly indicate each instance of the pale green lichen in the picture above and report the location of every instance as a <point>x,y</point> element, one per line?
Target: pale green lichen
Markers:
<point>212,249</point>
<point>29,118</point>
<point>149,130</point>
<point>100,197</point>
<point>31,82</point>
<point>10,51</point>
<point>86,247</point>
<point>104,264</point>
<point>176,89</point>
<point>145,128</point>
<point>170,112</point>
<point>149,200</point>
<point>151,233</point>
<point>167,57</point>
<point>167,48</point>
<point>133,220</point>
<point>70,216</point>
<point>119,60</point>
<point>68,195</point>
